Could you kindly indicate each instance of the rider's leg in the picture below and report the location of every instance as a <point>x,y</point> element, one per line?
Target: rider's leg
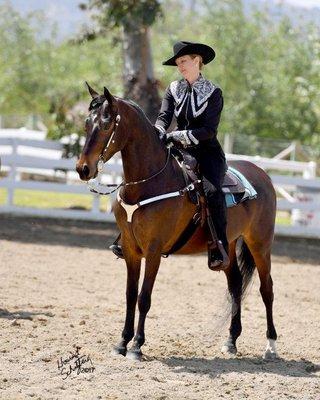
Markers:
<point>213,171</point>
<point>218,211</point>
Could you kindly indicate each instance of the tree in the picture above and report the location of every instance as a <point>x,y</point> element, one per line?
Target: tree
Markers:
<point>21,83</point>
<point>41,76</point>
<point>135,18</point>
<point>269,72</point>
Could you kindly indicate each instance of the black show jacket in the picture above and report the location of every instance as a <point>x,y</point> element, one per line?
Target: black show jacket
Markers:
<point>197,108</point>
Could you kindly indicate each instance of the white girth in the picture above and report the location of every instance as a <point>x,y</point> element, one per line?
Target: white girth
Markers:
<point>131,208</point>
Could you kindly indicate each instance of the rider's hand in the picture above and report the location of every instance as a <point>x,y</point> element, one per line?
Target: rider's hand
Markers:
<point>162,133</point>
<point>181,137</point>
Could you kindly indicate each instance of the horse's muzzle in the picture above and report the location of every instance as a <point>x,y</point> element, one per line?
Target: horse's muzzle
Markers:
<point>83,171</point>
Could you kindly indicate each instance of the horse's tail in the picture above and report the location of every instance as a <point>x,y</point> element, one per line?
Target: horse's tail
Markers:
<point>246,264</point>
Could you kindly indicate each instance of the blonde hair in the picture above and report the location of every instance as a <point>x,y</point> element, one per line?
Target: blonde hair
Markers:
<point>200,59</point>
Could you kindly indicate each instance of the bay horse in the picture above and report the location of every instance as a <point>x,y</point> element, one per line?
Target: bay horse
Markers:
<point>117,125</point>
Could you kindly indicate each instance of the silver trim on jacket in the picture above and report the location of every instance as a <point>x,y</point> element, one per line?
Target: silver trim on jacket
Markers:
<point>201,90</point>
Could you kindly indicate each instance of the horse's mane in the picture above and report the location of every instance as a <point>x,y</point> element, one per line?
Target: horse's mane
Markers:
<point>98,101</point>
<point>139,109</point>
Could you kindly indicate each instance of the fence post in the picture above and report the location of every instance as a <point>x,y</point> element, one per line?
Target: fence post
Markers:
<point>96,199</point>
<point>12,174</point>
<point>95,203</point>
<point>228,143</point>
<point>294,150</point>
<point>311,171</point>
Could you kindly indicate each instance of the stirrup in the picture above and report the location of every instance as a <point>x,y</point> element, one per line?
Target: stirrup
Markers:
<point>219,264</point>
<point>117,250</point>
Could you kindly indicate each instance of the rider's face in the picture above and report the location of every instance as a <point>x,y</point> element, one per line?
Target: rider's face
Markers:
<point>188,66</point>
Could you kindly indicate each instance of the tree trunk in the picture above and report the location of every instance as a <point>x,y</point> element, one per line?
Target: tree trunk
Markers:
<point>138,77</point>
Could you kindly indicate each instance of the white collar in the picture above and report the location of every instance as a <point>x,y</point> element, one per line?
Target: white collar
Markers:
<point>202,87</point>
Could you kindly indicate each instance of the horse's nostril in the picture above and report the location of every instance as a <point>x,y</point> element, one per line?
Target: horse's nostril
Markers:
<point>85,171</point>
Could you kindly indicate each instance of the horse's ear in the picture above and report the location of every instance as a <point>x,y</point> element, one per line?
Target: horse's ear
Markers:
<point>108,95</point>
<point>92,92</point>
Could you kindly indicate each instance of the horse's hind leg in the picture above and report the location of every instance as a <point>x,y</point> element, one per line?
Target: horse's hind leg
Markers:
<point>262,258</point>
<point>144,301</point>
<point>133,273</point>
<point>234,279</point>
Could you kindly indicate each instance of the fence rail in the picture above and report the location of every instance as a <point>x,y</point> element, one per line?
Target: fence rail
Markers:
<point>300,195</point>
<point>51,167</point>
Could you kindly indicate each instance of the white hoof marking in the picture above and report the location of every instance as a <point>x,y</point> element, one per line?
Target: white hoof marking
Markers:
<point>229,348</point>
<point>271,351</point>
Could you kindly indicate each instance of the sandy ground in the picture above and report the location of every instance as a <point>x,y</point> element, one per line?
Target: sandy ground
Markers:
<point>61,288</point>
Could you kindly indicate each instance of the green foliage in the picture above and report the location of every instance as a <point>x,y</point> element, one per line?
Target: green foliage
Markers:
<point>120,13</point>
<point>43,76</point>
<point>21,83</point>
<point>269,71</point>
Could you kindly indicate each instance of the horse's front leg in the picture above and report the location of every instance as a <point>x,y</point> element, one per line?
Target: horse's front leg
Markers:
<point>133,274</point>
<point>144,302</point>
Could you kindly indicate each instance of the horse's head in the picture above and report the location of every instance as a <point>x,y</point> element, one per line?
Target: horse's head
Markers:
<point>102,140</point>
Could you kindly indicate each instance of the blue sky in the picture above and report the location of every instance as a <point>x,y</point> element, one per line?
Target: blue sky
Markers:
<point>304,3</point>
<point>70,18</point>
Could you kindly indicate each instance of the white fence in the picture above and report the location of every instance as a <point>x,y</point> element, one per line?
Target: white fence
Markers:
<point>300,195</point>
<point>25,160</point>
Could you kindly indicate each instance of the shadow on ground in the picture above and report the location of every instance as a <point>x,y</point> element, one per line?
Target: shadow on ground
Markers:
<point>5,314</point>
<point>99,235</point>
<point>297,250</point>
<point>96,235</point>
<point>217,366</point>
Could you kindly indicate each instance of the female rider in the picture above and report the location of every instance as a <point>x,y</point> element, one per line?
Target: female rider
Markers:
<point>197,104</point>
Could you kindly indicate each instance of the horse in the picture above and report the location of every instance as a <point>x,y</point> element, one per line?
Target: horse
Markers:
<point>150,229</point>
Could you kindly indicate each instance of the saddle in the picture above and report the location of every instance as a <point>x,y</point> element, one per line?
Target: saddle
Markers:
<point>190,168</point>
<point>233,187</point>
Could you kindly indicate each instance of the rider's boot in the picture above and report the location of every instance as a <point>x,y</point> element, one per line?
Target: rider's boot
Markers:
<point>218,248</point>
<point>116,248</point>
<point>218,256</point>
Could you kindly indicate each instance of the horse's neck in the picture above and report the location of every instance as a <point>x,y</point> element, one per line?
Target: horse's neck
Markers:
<point>143,156</point>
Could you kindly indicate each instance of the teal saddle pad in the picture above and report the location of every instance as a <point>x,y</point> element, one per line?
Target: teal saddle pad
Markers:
<point>232,199</point>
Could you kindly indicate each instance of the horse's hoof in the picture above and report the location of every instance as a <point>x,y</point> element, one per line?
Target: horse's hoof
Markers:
<point>271,352</point>
<point>229,349</point>
<point>119,350</point>
<point>135,355</point>
<point>270,355</point>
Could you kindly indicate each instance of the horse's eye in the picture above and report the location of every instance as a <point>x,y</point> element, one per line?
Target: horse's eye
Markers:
<point>106,119</point>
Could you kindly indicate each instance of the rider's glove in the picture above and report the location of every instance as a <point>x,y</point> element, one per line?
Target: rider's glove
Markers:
<point>184,137</point>
<point>161,132</point>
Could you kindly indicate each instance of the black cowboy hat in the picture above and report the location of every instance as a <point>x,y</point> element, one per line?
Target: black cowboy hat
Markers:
<point>183,48</point>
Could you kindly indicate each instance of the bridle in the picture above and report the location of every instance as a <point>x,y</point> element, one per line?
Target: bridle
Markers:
<point>131,208</point>
<point>101,163</point>
<point>117,120</point>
